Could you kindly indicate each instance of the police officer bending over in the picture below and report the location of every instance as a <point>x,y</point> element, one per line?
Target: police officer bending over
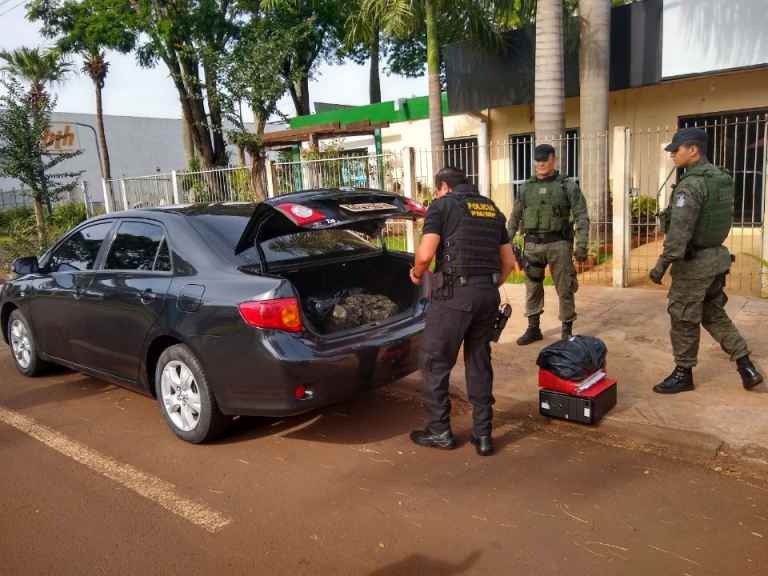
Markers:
<point>696,223</point>
<point>466,233</point>
<point>547,204</point>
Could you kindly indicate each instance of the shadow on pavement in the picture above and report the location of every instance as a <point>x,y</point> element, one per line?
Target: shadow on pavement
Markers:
<point>58,391</point>
<point>419,565</point>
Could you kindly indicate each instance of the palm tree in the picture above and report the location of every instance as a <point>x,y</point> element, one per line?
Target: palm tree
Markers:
<point>39,68</point>
<point>594,68</point>
<point>96,66</point>
<point>365,31</point>
<point>440,21</point>
<point>549,89</point>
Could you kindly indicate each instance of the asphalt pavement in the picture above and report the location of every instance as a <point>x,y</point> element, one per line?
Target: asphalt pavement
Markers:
<point>93,482</point>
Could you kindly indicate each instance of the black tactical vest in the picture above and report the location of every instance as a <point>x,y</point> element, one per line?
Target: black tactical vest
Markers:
<point>473,248</point>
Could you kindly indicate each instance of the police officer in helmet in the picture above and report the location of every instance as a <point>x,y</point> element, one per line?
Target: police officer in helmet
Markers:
<point>466,234</point>
<point>550,206</point>
<point>696,223</point>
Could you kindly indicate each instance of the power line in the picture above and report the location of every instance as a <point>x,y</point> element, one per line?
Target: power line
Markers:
<point>12,8</point>
<point>5,2</point>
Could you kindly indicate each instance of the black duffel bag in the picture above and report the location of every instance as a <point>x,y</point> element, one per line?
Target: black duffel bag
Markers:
<point>575,358</point>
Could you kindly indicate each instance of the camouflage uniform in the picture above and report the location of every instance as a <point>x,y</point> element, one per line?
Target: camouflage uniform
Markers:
<point>557,253</point>
<point>696,297</point>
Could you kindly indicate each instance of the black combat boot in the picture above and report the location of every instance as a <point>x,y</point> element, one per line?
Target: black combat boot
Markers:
<point>750,377</point>
<point>681,380</point>
<point>483,445</point>
<point>430,439</point>
<point>567,330</point>
<point>533,333</point>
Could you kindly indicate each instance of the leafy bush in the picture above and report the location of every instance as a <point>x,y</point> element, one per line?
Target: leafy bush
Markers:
<point>18,232</point>
<point>644,208</point>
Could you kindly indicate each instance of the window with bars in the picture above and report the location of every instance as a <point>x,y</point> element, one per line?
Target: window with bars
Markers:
<point>737,144</point>
<point>521,157</point>
<point>463,153</point>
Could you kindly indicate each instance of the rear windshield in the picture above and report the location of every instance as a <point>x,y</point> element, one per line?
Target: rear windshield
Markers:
<point>228,228</point>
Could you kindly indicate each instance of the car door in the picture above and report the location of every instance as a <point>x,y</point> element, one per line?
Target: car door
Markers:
<point>54,296</point>
<point>125,299</point>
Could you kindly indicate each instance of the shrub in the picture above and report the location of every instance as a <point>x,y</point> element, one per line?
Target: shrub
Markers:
<point>644,208</point>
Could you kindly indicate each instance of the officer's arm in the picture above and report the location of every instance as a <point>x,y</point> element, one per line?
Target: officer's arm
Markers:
<point>507,261</point>
<point>425,253</point>
<point>580,216</point>
<point>684,210</point>
<point>517,215</point>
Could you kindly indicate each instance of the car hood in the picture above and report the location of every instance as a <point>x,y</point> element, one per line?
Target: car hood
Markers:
<point>361,210</point>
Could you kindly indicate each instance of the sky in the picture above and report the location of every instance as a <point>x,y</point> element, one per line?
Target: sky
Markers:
<point>133,91</point>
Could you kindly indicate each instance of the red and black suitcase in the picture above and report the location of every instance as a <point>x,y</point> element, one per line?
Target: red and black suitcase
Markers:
<point>587,407</point>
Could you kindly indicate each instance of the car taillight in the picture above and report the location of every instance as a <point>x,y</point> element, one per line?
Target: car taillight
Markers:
<point>281,314</point>
<point>299,214</point>
<point>415,207</point>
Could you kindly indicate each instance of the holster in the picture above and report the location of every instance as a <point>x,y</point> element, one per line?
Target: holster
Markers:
<point>442,288</point>
<point>500,321</point>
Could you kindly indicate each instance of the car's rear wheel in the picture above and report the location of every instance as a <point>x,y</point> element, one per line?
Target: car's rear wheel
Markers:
<point>186,399</point>
<point>24,346</point>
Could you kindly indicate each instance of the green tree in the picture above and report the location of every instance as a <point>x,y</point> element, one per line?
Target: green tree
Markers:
<point>38,67</point>
<point>254,75</point>
<point>363,42</point>
<point>191,38</point>
<point>24,125</point>
<point>89,28</point>
<point>432,24</point>
<point>327,19</point>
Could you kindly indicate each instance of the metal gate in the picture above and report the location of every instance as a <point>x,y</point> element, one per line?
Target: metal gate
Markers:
<point>737,143</point>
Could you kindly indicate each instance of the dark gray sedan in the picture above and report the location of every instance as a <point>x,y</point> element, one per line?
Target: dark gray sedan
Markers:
<point>223,309</point>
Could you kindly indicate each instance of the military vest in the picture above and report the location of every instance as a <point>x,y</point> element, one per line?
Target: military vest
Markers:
<point>546,206</point>
<point>716,215</point>
<point>472,249</point>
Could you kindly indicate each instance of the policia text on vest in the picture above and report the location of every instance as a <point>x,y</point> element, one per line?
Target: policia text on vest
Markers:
<point>551,213</point>
<point>466,236</point>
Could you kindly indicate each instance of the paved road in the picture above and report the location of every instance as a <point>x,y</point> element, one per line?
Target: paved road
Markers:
<point>92,482</point>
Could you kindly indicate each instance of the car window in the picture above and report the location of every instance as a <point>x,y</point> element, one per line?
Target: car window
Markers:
<point>135,247</point>
<point>303,245</point>
<point>163,260</point>
<point>79,251</point>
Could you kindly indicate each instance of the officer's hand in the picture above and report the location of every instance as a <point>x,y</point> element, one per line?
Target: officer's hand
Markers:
<point>657,273</point>
<point>580,254</point>
<point>415,279</point>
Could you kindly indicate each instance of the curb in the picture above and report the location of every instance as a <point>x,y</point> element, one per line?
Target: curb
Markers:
<point>692,447</point>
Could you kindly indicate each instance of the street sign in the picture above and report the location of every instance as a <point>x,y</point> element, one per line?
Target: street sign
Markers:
<point>61,137</point>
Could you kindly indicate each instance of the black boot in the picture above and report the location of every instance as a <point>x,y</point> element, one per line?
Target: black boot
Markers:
<point>567,330</point>
<point>430,439</point>
<point>483,445</point>
<point>533,333</point>
<point>750,377</point>
<point>681,380</point>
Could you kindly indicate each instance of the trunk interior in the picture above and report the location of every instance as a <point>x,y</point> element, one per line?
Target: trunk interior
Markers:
<point>323,287</point>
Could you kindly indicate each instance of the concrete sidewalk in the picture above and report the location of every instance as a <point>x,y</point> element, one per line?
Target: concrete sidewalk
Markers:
<point>719,416</point>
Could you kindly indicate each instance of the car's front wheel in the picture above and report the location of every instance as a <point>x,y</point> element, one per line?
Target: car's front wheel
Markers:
<point>24,346</point>
<point>186,399</point>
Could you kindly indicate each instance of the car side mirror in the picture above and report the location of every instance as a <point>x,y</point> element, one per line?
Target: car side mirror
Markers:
<point>26,265</point>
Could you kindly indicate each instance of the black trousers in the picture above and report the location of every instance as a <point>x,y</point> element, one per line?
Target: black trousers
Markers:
<point>467,317</point>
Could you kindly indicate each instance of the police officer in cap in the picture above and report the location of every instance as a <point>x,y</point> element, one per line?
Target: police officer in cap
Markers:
<point>696,223</point>
<point>466,234</point>
<point>549,207</point>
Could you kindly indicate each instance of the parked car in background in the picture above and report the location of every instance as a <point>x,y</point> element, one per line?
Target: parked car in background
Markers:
<point>223,309</point>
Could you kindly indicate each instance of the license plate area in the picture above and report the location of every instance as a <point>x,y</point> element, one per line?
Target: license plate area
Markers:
<point>368,207</point>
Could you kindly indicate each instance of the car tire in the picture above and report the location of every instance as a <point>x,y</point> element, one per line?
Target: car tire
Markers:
<point>23,345</point>
<point>185,397</point>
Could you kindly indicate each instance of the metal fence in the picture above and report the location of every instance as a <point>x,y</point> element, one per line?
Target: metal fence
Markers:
<point>381,171</point>
<point>736,144</point>
<point>22,198</point>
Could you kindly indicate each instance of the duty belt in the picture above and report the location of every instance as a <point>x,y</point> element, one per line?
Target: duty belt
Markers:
<point>544,237</point>
<point>479,280</point>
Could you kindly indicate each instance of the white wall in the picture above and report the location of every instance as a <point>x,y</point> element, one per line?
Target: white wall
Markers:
<point>710,35</point>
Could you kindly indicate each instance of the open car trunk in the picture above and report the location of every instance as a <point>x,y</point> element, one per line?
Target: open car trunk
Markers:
<point>356,293</point>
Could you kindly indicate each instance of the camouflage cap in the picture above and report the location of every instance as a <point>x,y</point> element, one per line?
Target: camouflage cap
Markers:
<point>687,136</point>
